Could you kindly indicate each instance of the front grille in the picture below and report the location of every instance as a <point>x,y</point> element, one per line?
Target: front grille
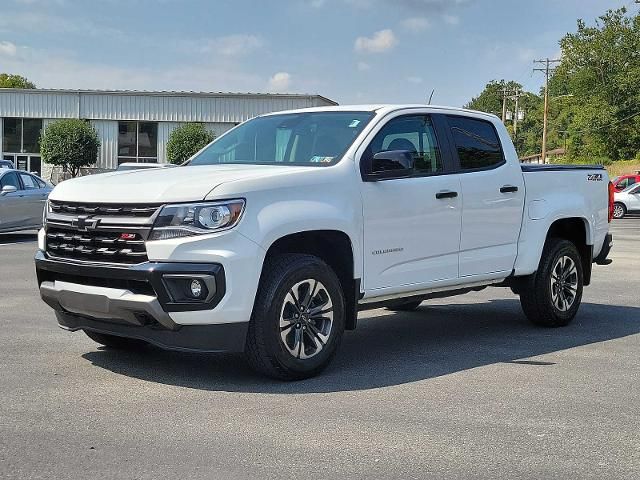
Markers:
<point>102,233</point>
<point>102,209</point>
<point>96,246</point>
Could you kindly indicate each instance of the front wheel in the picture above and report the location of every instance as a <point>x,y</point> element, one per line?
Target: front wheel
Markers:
<point>619,210</point>
<point>551,296</point>
<point>298,318</point>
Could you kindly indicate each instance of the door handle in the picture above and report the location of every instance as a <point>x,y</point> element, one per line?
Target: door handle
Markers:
<point>446,194</point>
<point>508,189</point>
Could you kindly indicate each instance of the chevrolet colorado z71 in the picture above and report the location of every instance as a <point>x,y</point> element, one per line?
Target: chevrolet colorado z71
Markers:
<point>270,239</point>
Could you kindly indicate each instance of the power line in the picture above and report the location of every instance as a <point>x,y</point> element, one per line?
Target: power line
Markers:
<point>580,132</point>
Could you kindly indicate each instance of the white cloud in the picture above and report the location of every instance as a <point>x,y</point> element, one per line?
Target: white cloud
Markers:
<point>380,42</point>
<point>451,19</point>
<point>8,48</point>
<point>363,66</point>
<point>414,79</point>
<point>280,82</point>
<point>416,24</point>
<point>233,45</point>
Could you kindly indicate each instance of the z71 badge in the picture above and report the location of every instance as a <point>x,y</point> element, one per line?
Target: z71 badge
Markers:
<point>594,177</point>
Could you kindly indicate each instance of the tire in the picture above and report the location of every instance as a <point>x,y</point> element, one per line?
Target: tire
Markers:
<point>406,306</point>
<point>619,210</point>
<point>115,342</point>
<point>272,346</point>
<point>541,306</point>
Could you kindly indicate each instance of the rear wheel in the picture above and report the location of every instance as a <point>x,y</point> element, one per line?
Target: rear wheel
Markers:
<point>298,318</point>
<point>619,210</point>
<point>551,296</point>
<point>115,342</point>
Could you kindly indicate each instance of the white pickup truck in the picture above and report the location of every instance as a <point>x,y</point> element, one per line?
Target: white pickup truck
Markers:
<point>272,238</point>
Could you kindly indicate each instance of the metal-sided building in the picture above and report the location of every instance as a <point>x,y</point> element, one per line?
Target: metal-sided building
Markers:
<point>132,126</point>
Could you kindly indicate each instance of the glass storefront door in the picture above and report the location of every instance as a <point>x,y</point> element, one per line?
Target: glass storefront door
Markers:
<point>28,163</point>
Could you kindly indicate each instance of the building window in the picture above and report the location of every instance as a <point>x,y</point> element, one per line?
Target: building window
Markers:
<point>21,135</point>
<point>137,142</point>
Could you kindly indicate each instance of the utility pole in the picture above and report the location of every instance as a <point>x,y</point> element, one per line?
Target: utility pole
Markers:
<point>547,70</point>
<point>516,96</point>
<point>504,104</point>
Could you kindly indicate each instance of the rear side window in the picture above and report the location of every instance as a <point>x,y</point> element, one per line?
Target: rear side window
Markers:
<point>476,142</point>
<point>29,182</point>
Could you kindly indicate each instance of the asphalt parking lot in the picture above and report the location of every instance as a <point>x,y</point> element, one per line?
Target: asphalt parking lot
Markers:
<point>462,388</point>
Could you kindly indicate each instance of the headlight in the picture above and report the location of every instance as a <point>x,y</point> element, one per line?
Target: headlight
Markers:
<point>187,219</point>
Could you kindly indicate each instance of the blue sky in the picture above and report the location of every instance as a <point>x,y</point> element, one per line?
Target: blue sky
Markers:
<point>353,51</point>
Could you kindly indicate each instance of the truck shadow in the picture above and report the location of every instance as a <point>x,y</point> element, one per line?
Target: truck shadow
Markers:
<point>393,349</point>
<point>7,238</point>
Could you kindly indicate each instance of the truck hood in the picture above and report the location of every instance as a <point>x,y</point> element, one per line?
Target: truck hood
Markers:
<point>161,185</point>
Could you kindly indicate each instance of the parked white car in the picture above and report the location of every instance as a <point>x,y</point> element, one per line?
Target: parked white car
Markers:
<point>277,233</point>
<point>627,201</point>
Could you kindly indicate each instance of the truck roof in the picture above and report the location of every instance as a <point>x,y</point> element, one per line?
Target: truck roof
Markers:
<point>383,108</point>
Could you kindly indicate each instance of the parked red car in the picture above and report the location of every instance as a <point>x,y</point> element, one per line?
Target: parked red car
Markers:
<point>623,181</point>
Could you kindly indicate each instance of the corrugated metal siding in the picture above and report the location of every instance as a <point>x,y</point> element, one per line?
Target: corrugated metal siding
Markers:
<point>164,130</point>
<point>170,107</point>
<point>108,133</point>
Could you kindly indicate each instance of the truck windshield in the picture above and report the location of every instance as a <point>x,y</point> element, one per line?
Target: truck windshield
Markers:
<point>310,138</point>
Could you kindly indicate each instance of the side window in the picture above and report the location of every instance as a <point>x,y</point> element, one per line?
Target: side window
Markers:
<point>10,179</point>
<point>632,181</point>
<point>29,182</point>
<point>414,133</point>
<point>476,142</point>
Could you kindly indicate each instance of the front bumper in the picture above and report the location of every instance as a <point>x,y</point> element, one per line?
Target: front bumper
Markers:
<point>136,302</point>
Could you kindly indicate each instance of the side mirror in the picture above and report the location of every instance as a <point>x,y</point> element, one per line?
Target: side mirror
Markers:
<point>8,189</point>
<point>391,164</point>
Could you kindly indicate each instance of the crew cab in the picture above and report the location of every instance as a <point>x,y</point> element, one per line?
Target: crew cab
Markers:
<point>271,239</point>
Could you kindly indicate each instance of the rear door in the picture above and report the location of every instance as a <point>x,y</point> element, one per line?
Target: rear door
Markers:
<point>34,198</point>
<point>492,197</point>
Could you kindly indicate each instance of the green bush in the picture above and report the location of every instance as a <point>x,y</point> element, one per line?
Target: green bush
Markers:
<point>186,140</point>
<point>70,144</point>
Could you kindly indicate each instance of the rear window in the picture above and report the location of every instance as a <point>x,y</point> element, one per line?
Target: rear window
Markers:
<point>476,142</point>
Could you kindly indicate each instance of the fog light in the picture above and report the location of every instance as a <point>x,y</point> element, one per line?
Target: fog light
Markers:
<point>186,288</point>
<point>196,288</point>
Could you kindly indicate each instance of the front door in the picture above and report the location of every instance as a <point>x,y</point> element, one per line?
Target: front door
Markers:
<point>411,225</point>
<point>12,206</point>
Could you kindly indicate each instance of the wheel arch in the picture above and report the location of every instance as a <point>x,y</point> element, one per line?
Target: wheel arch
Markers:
<point>336,249</point>
<point>577,230</point>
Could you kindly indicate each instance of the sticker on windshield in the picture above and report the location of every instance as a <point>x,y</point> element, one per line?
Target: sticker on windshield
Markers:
<point>354,123</point>
<point>320,159</point>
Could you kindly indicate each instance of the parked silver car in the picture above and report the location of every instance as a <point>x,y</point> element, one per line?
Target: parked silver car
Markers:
<point>22,200</point>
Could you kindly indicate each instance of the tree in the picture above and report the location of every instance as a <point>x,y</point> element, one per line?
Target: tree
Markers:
<point>70,144</point>
<point>601,68</point>
<point>529,133</point>
<point>186,140</point>
<point>8,80</point>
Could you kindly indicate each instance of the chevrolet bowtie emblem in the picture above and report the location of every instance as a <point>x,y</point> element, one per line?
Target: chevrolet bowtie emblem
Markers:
<point>84,223</point>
